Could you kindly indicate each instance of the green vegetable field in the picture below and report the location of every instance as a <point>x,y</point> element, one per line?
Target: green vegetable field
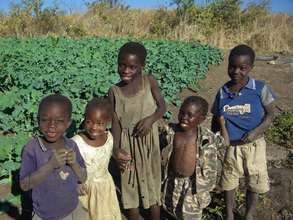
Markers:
<point>80,69</point>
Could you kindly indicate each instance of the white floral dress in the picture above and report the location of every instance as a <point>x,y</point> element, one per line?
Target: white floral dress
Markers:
<point>101,199</point>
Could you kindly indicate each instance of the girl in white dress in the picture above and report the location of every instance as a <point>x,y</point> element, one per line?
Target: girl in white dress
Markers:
<point>95,144</point>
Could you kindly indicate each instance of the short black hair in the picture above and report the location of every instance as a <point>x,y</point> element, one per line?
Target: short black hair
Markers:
<point>133,48</point>
<point>56,99</point>
<point>242,50</point>
<point>198,101</point>
<point>101,103</point>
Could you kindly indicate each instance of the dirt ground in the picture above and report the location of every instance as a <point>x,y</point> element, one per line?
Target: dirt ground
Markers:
<point>278,204</point>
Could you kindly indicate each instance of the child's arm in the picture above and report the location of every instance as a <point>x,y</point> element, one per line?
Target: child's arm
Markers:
<point>119,154</point>
<point>82,189</point>
<point>218,121</point>
<point>258,131</point>
<point>223,130</point>
<point>79,171</point>
<point>143,126</point>
<point>115,129</point>
<point>33,179</point>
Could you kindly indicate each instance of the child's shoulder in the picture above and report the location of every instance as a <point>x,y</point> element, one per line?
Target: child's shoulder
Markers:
<point>77,137</point>
<point>70,142</point>
<point>31,145</point>
<point>169,128</point>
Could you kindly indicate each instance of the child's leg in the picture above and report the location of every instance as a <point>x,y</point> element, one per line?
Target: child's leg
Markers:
<point>133,214</point>
<point>229,197</point>
<point>155,212</point>
<point>232,170</point>
<point>257,175</point>
<point>251,202</point>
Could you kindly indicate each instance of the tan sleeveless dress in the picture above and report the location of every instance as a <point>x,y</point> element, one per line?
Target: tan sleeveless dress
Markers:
<point>141,181</point>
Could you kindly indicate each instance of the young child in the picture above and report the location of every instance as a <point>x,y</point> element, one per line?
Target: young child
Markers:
<point>247,107</point>
<point>52,165</point>
<point>96,145</point>
<point>189,161</point>
<point>137,104</point>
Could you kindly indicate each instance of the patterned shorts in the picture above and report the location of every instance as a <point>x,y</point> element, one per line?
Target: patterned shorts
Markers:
<point>180,199</point>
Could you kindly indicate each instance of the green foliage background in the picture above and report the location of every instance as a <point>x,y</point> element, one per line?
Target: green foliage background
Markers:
<point>281,132</point>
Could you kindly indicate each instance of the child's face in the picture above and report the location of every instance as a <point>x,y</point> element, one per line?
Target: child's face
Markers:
<point>189,117</point>
<point>238,69</point>
<point>96,122</point>
<point>129,67</point>
<point>53,122</point>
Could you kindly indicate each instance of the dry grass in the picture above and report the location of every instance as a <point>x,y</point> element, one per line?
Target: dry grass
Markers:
<point>272,32</point>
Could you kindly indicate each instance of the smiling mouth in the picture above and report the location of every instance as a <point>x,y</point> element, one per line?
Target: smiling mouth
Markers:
<point>234,77</point>
<point>126,77</point>
<point>51,134</point>
<point>183,124</point>
<point>95,134</point>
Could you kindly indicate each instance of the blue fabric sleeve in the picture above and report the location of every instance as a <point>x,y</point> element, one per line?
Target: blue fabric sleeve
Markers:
<point>79,158</point>
<point>28,163</point>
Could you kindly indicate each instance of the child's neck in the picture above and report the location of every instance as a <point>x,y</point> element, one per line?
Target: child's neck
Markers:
<point>98,142</point>
<point>238,86</point>
<point>54,145</point>
<point>133,87</point>
<point>190,132</point>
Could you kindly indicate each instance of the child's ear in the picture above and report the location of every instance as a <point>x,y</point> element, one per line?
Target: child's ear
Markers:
<point>143,65</point>
<point>202,118</point>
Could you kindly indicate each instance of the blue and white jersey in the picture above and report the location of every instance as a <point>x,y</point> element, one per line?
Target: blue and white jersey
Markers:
<point>243,111</point>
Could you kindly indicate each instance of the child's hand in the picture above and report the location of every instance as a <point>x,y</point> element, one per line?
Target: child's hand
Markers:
<point>71,157</point>
<point>143,127</point>
<point>58,159</point>
<point>122,158</point>
<point>81,189</point>
<point>250,137</point>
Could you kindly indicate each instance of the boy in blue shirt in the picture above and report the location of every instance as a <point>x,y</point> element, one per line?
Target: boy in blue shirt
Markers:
<point>247,106</point>
<point>52,165</point>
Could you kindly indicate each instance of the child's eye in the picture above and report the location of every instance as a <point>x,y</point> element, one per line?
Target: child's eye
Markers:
<point>120,65</point>
<point>243,68</point>
<point>133,67</point>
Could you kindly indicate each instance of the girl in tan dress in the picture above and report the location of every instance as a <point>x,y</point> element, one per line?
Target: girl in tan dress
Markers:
<point>138,105</point>
<point>96,145</point>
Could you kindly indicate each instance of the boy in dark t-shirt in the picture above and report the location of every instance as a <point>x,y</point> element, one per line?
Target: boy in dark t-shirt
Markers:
<point>52,165</point>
